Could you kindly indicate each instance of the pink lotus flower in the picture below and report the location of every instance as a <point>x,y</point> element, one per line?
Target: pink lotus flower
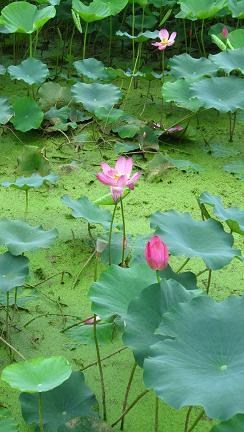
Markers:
<point>165,39</point>
<point>156,254</point>
<point>225,32</point>
<point>119,177</point>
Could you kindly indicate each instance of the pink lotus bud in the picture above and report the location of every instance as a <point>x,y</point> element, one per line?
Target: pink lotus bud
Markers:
<point>156,254</point>
<point>225,32</point>
<point>90,321</point>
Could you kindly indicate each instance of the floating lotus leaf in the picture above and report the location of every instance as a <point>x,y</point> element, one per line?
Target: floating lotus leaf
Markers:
<point>185,236</point>
<point>27,114</point>
<point>20,237</point>
<point>202,357</point>
<point>229,60</point>
<point>235,424</point>
<point>86,209</point>
<point>37,375</point>
<point>91,68</point>
<point>35,181</point>
<point>95,11</point>
<point>31,71</point>
<point>72,400</point>
<point>237,8</point>
<point>13,271</point>
<point>181,94</point>
<point>185,66</point>
<point>236,168</point>
<point>24,17</point>
<point>108,301</point>
<point>53,94</point>
<point>88,424</point>
<point>225,94</point>
<point>201,9</point>
<point>233,216</point>
<point>94,96</point>
<point>109,116</point>
<point>7,423</point>
<point>145,314</point>
<point>236,39</point>
<point>84,334</point>
<point>6,111</point>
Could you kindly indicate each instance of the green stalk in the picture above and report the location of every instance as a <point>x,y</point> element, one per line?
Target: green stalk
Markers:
<point>110,236</point>
<point>202,39</point>
<point>158,276</point>
<point>127,394</point>
<point>196,421</point>
<point>188,415</point>
<point>26,203</point>
<point>85,39</point>
<point>163,71</point>
<point>40,411</point>
<point>133,32</point>
<point>185,35</point>
<point>7,316</point>
<point>30,46</point>
<point>110,39</point>
<point>133,72</point>
<point>183,265</point>
<point>209,280</point>
<point>156,415</point>
<point>124,233</point>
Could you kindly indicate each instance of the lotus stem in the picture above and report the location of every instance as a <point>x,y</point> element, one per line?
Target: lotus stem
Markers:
<point>196,35</point>
<point>40,411</point>
<point>127,394</point>
<point>110,39</point>
<point>82,269</point>
<point>30,46</point>
<point>185,35</point>
<point>133,32</point>
<point>26,203</point>
<point>124,234</point>
<point>158,276</point>
<point>156,421</point>
<point>196,421</point>
<point>232,125</point>
<point>11,347</point>
<point>188,415</point>
<point>209,280</point>
<point>110,236</point>
<point>141,395</point>
<point>104,358</point>
<point>7,316</point>
<point>183,265</point>
<point>85,39</point>
<point>202,38</point>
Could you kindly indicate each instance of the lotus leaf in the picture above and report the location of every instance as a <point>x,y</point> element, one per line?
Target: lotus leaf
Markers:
<point>185,66</point>
<point>229,60</point>
<point>181,94</point>
<point>95,95</point>
<point>91,68</point>
<point>13,271</point>
<point>237,8</point>
<point>235,424</point>
<point>27,114</point>
<point>185,236</point>
<point>20,237</point>
<point>236,39</point>
<point>201,9</point>
<point>37,375</point>
<point>201,358</point>
<point>31,71</point>
<point>95,11</point>
<point>35,181</point>
<point>7,423</point>
<point>225,94</point>
<point>6,111</point>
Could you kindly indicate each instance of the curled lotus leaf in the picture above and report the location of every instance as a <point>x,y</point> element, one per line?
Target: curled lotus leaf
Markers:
<point>31,71</point>
<point>201,9</point>
<point>97,10</point>
<point>92,69</point>
<point>185,66</point>
<point>201,357</point>
<point>237,8</point>
<point>6,111</point>
<point>225,94</point>
<point>187,237</point>
<point>19,237</point>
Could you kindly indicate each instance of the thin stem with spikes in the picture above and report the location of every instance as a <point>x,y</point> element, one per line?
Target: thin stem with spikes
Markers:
<point>127,394</point>
<point>141,395</point>
<point>124,233</point>
<point>110,236</point>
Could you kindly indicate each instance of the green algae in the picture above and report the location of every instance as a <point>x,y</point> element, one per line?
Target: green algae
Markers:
<point>175,190</point>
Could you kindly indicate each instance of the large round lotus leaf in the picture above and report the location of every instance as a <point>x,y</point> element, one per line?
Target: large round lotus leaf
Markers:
<point>117,286</point>
<point>24,17</point>
<point>94,96</point>
<point>201,9</point>
<point>35,181</point>
<point>95,11</point>
<point>236,39</point>
<point>88,424</point>
<point>225,94</point>
<point>70,401</point>
<point>53,94</point>
<point>237,8</point>
<point>233,216</point>
<point>145,313</point>
<point>7,423</point>
<point>185,236</point>
<point>27,114</point>
<point>203,362</point>
<point>31,71</point>
<point>115,6</point>
<point>20,237</point>
<point>91,68</point>
<point>37,375</point>
<point>185,66</point>
<point>235,424</point>
<point>229,60</point>
<point>13,271</point>
<point>86,209</point>
<point>6,111</point>
<point>181,94</point>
